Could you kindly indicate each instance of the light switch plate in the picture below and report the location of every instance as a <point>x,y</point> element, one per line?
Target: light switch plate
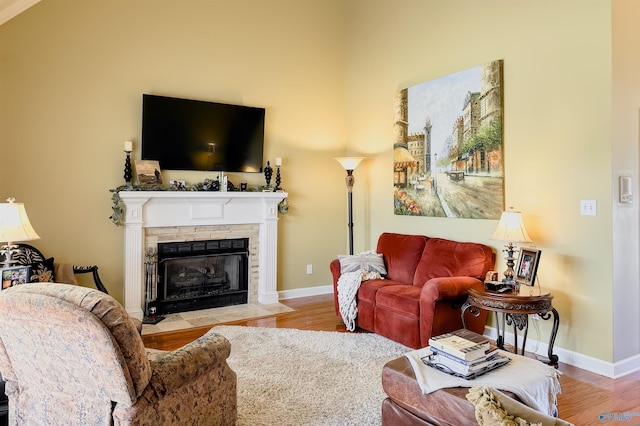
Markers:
<point>588,208</point>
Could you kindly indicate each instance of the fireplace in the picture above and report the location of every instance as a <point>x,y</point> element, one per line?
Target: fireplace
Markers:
<point>196,275</point>
<point>154,217</point>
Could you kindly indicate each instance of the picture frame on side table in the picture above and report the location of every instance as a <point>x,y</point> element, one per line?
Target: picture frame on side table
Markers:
<point>527,267</point>
<point>15,275</point>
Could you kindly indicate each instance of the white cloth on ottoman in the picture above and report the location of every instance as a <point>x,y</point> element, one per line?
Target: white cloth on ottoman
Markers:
<point>535,383</point>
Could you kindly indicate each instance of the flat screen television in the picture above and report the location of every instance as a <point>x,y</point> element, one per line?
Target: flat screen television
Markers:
<point>185,134</point>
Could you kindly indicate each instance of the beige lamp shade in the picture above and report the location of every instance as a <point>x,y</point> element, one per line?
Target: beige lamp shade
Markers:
<point>349,163</point>
<point>14,223</point>
<point>510,228</point>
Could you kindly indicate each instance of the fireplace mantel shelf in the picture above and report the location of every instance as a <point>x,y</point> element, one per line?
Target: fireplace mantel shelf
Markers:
<point>188,208</point>
<point>157,209</point>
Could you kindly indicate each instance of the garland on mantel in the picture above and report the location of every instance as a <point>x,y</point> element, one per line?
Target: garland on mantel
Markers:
<point>118,206</point>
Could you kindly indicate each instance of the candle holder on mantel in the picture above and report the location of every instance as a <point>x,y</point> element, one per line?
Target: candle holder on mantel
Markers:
<point>128,172</point>
<point>277,188</point>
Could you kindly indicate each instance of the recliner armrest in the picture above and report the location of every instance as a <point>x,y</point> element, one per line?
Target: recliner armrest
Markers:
<point>182,366</point>
<point>447,294</point>
<point>443,288</point>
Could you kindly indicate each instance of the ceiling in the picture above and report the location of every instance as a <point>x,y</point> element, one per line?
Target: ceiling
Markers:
<point>11,8</point>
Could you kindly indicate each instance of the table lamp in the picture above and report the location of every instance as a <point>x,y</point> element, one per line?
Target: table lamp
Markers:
<point>350,164</point>
<point>14,226</point>
<point>510,229</point>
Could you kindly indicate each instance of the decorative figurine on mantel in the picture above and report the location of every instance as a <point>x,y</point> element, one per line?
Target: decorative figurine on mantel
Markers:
<point>268,172</point>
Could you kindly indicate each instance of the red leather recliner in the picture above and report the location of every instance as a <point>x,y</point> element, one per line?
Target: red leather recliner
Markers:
<point>426,284</point>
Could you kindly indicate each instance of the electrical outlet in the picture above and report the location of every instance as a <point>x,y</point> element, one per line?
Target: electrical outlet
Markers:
<point>588,208</point>
<point>309,269</point>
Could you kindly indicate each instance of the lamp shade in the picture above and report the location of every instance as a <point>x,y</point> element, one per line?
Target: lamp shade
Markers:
<point>14,223</point>
<point>349,163</point>
<point>510,228</point>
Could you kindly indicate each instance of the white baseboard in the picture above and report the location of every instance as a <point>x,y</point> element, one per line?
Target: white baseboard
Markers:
<point>585,362</point>
<point>305,292</point>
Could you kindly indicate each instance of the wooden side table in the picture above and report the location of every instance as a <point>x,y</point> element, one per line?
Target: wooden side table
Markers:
<point>515,308</point>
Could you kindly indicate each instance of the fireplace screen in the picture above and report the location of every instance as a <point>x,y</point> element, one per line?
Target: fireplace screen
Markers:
<point>202,274</point>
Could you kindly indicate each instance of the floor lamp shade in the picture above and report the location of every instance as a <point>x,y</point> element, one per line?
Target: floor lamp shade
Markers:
<point>349,164</point>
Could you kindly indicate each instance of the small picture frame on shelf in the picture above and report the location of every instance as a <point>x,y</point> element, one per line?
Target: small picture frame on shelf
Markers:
<point>15,275</point>
<point>178,185</point>
<point>148,172</point>
<point>527,266</point>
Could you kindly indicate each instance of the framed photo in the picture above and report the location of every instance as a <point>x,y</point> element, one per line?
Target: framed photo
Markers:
<point>178,185</point>
<point>527,266</point>
<point>15,276</point>
<point>148,172</point>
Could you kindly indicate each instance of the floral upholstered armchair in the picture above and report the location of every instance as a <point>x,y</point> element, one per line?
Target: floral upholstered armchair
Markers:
<point>71,355</point>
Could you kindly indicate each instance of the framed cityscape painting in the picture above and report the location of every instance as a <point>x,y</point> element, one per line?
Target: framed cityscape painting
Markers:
<point>448,147</point>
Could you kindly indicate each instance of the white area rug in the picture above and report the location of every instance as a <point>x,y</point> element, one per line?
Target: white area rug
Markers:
<point>298,377</point>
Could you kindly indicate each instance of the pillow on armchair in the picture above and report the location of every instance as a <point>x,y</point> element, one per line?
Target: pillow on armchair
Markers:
<point>42,271</point>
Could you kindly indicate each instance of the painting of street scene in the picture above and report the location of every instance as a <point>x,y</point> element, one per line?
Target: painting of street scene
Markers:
<point>448,147</point>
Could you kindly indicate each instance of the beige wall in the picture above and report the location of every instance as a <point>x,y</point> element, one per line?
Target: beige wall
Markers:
<point>72,74</point>
<point>557,82</point>
<point>72,77</point>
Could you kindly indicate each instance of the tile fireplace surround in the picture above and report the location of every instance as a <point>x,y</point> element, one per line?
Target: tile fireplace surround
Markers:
<point>159,216</point>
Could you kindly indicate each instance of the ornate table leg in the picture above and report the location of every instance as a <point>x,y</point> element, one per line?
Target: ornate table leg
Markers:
<point>473,310</point>
<point>500,339</point>
<point>553,359</point>
<point>520,322</point>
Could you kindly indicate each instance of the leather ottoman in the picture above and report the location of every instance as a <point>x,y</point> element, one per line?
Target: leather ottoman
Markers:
<point>407,405</point>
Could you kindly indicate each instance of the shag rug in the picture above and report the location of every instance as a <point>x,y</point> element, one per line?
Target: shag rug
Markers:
<point>298,377</point>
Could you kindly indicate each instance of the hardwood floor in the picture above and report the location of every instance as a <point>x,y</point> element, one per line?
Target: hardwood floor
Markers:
<point>584,396</point>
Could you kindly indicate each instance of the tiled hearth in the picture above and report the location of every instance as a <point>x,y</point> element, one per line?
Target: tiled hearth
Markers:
<point>162,216</point>
<point>185,320</point>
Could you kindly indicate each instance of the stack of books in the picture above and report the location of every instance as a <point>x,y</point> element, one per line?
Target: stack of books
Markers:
<point>463,353</point>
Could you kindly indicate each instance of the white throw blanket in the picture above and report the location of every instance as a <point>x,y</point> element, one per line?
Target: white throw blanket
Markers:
<point>348,285</point>
<point>535,383</point>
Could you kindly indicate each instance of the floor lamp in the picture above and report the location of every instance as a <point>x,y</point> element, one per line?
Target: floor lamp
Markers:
<point>350,164</point>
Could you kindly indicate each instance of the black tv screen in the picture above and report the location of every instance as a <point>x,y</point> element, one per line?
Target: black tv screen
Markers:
<point>185,134</point>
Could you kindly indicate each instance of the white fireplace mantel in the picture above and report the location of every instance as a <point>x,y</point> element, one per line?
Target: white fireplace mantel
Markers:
<point>157,209</point>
